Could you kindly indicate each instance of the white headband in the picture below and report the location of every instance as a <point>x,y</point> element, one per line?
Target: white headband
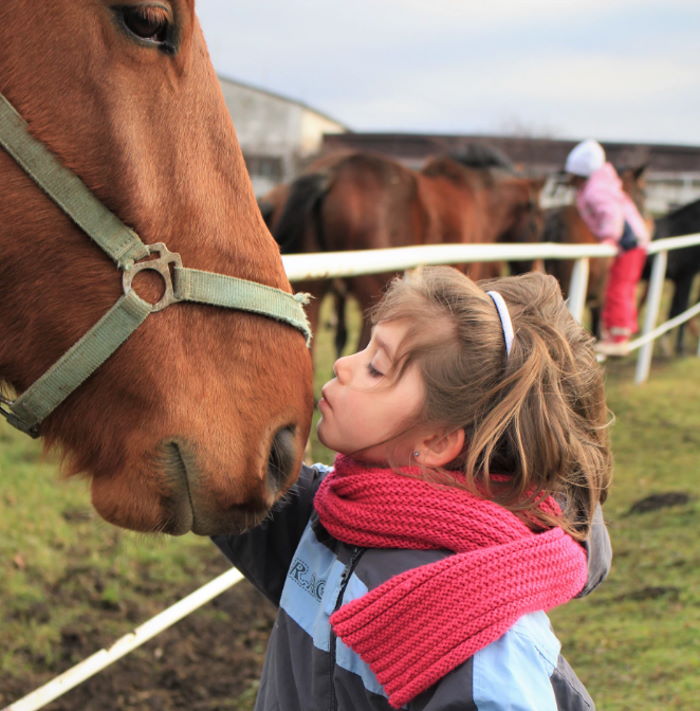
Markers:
<point>504,316</point>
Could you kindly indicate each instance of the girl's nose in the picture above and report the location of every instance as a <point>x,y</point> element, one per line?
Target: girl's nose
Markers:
<point>341,368</point>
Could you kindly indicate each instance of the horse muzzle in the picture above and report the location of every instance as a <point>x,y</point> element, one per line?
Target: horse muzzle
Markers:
<point>195,500</point>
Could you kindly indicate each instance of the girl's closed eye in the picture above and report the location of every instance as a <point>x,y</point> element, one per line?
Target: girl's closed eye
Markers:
<point>373,371</point>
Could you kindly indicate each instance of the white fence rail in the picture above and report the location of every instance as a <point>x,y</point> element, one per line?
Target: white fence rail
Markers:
<point>149,629</point>
<point>339,264</point>
<point>324,265</point>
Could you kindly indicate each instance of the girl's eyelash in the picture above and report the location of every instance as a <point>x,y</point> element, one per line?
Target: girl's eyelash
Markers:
<point>373,371</point>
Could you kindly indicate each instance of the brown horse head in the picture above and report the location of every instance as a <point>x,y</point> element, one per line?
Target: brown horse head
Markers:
<point>508,204</point>
<point>634,183</point>
<point>479,198</point>
<point>516,208</point>
<point>198,422</point>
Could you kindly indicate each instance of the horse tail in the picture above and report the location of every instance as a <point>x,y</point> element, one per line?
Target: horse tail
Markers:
<point>302,211</point>
<point>267,210</point>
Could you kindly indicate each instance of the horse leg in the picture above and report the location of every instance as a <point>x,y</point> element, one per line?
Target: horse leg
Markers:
<point>341,325</point>
<point>367,289</point>
<point>679,303</point>
<point>597,287</point>
<point>486,270</point>
<point>594,310</point>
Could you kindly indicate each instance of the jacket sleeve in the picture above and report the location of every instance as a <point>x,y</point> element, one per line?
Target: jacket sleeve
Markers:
<point>603,214</point>
<point>264,553</point>
<point>599,552</point>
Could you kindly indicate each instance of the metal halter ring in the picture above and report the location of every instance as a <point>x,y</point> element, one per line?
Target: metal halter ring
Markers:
<point>162,265</point>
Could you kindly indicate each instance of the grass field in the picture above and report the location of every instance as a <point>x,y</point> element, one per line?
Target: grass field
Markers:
<point>635,642</point>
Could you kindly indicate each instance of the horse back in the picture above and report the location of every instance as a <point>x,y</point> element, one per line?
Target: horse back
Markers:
<point>371,202</point>
<point>681,221</point>
<point>454,209</point>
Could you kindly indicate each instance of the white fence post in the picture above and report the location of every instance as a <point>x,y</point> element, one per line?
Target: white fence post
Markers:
<point>656,285</point>
<point>578,288</point>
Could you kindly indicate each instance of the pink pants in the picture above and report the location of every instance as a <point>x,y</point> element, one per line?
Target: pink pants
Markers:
<point>620,309</point>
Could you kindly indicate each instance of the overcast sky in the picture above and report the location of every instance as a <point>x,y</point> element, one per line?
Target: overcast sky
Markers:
<point>626,70</point>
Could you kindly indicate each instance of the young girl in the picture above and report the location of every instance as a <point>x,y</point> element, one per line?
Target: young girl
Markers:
<point>614,219</point>
<point>473,455</point>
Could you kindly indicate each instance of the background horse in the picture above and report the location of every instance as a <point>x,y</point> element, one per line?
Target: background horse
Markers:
<point>198,422</point>
<point>683,264</point>
<point>564,225</point>
<point>365,201</point>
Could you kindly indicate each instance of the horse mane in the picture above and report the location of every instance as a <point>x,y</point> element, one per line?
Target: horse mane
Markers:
<point>482,156</point>
<point>482,162</point>
<point>446,167</point>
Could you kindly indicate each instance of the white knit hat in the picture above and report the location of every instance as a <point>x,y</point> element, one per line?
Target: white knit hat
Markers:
<point>585,158</point>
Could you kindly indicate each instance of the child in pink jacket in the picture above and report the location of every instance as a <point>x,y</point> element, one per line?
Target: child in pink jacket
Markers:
<point>614,219</point>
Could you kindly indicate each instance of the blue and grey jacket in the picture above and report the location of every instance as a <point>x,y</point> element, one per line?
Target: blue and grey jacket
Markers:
<point>295,562</point>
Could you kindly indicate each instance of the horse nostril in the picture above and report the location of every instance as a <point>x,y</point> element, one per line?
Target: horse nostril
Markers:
<point>281,459</point>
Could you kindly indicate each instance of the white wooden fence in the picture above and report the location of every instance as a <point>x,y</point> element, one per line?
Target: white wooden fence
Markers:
<point>339,264</point>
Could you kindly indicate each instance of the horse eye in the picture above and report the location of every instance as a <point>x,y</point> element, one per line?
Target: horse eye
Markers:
<point>147,22</point>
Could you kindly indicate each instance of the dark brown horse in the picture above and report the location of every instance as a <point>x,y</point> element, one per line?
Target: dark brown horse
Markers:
<point>198,421</point>
<point>364,201</point>
<point>564,225</point>
<point>683,265</point>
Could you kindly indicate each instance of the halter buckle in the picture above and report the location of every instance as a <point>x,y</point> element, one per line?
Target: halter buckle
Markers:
<point>161,264</point>
<point>16,422</point>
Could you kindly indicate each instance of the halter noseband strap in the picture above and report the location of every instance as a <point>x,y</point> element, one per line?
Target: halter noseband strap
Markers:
<point>125,247</point>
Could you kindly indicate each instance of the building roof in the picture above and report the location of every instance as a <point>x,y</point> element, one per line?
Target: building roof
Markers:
<point>281,97</point>
<point>543,154</point>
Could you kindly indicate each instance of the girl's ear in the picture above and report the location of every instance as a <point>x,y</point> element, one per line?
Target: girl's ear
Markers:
<point>436,450</point>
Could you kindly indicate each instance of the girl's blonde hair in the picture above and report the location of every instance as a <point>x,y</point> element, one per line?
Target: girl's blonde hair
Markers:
<point>535,420</point>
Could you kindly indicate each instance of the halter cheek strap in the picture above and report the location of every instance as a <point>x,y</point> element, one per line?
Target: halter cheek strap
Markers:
<point>130,255</point>
<point>504,316</point>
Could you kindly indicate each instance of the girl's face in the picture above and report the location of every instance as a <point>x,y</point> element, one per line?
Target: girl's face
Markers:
<point>364,413</point>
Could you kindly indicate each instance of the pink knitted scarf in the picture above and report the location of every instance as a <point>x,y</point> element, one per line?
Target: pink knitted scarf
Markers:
<point>418,626</point>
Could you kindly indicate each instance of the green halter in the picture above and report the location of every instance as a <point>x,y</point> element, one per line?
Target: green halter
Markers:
<point>125,247</point>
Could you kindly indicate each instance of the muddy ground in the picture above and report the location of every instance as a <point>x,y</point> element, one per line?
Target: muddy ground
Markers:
<point>209,661</point>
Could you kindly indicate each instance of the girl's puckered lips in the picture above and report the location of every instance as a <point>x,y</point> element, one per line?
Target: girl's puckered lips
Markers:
<point>323,401</point>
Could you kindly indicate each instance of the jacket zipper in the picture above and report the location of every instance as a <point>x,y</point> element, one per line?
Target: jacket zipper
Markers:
<point>344,580</point>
